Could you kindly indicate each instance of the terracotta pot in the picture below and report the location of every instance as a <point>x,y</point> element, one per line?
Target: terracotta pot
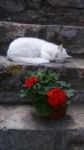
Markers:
<point>55,115</point>
<point>58,114</point>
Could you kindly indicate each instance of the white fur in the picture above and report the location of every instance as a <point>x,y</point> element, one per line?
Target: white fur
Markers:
<point>33,50</point>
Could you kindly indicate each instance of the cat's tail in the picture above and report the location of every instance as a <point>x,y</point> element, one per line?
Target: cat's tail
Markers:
<point>27,60</point>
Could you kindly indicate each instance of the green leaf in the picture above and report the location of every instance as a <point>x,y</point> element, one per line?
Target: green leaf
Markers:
<point>69,92</point>
<point>68,102</point>
<point>43,109</point>
<point>42,105</point>
<point>22,94</point>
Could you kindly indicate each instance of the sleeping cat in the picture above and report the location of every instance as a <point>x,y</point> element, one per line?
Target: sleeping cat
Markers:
<point>36,51</point>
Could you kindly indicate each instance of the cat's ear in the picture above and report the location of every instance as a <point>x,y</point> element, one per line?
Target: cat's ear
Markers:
<point>60,47</point>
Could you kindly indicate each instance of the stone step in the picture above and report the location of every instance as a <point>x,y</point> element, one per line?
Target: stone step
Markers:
<point>72,72</point>
<point>72,37</point>
<point>43,12</point>
<point>12,97</point>
<point>20,129</point>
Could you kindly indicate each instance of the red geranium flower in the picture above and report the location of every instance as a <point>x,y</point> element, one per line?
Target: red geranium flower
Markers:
<point>56,97</point>
<point>29,81</point>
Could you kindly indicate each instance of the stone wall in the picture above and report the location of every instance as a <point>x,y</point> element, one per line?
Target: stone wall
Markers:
<point>43,11</point>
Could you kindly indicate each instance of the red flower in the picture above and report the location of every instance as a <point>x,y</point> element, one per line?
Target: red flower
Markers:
<point>29,81</point>
<point>56,97</point>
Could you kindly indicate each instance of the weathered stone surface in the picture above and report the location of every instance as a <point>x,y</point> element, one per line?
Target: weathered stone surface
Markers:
<point>25,117</point>
<point>30,140</point>
<point>78,96</point>
<point>43,11</point>
<point>68,3</point>
<point>12,97</point>
<point>74,139</point>
<point>10,73</point>
<point>72,71</point>
<point>12,5</point>
<point>34,3</point>
<point>4,48</point>
<point>20,128</point>
<point>10,31</point>
<point>72,37</point>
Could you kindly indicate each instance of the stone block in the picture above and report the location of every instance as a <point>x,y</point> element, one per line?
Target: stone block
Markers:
<point>68,3</point>
<point>34,3</point>
<point>30,140</point>
<point>12,5</point>
<point>67,12</point>
<point>74,139</point>
<point>11,31</point>
<point>70,36</point>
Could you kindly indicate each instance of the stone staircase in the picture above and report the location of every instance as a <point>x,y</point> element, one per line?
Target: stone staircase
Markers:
<point>20,129</point>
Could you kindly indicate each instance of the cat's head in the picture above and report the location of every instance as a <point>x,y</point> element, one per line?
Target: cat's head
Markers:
<point>62,55</point>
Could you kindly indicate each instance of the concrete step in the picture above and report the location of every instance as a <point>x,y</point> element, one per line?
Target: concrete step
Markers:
<point>21,129</point>
<point>72,37</point>
<point>72,72</point>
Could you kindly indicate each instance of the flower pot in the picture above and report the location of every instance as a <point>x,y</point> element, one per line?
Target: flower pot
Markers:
<point>58,114</point>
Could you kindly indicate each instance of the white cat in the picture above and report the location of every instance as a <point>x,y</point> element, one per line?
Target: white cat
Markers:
<point>36,51</point>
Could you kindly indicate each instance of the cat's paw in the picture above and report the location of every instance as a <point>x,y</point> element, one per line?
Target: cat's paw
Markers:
<point>45,62</point>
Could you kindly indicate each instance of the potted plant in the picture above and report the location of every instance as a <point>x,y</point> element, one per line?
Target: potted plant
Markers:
<point>48,93</point>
